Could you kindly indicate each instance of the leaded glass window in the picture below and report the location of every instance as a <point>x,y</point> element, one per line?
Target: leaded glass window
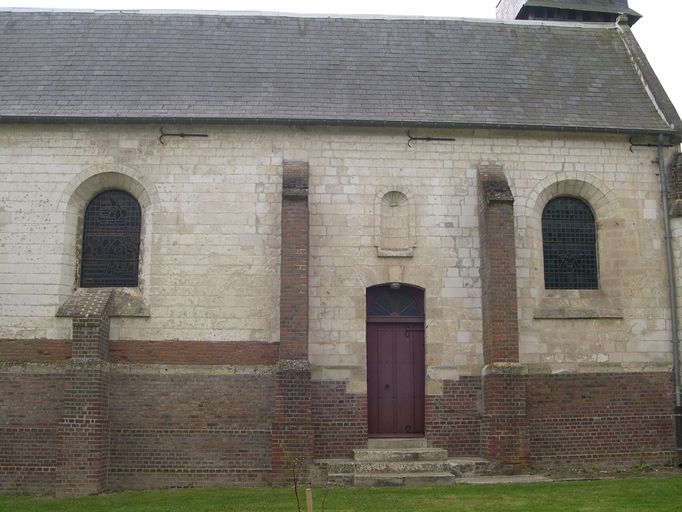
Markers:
<point>399,302</point>
<point>569,238</point>
<point>111,240</point>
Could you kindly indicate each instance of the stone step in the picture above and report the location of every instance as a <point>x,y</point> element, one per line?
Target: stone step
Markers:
<point>397,455</point>
<point>402,479</point>
<point>412,466</point>
<point>396,443</point>
<point>470,466</point>
<point>336,465</point>
<point>338,480</point>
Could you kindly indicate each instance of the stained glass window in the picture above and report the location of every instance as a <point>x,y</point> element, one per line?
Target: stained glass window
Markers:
<point>569,238</point>
<point>389,302</point>
<point>111,240</point>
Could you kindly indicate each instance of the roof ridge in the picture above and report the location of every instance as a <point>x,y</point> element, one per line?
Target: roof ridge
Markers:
<point>281,14</point>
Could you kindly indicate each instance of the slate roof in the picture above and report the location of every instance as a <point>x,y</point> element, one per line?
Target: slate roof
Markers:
<point>183,66</point>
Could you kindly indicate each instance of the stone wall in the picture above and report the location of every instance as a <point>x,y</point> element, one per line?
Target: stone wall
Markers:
<point>210,287</point>
<point>213,262</point>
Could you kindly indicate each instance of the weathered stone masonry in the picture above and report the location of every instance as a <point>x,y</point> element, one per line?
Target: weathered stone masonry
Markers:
<point>238,410</point>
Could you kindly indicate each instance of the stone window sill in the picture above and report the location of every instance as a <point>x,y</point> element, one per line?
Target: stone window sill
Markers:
<point>126,302</point>
<point>577,304</point>
<point>395,253</point>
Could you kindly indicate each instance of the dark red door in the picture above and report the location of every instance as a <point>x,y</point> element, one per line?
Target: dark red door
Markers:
<point>395,378</point>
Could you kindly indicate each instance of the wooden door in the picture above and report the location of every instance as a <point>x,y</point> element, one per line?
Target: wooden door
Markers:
<point>395,361</point>
<point>395,378</point>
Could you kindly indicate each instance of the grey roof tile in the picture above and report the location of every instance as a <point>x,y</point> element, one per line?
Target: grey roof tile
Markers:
<point>141,65</point>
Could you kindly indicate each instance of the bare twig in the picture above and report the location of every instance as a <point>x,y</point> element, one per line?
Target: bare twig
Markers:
<point>324,497</point>
<point>295,469</point>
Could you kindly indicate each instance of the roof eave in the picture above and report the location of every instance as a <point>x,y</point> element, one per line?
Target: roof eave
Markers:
<point>657,94</point>
<point>369,123</point>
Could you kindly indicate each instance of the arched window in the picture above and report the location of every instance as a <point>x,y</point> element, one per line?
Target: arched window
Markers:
<point>569,237</point>
<point>111,241</point>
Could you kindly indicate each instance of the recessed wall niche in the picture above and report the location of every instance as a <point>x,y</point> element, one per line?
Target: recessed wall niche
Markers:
<point>394,225</point>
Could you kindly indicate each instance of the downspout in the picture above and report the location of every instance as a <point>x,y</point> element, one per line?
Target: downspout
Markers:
<point>672,287</point>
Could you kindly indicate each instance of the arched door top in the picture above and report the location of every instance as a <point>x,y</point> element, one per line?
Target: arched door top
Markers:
<point>395,303</point>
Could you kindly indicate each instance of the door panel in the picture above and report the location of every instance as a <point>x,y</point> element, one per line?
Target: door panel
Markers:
<point>395,378</point>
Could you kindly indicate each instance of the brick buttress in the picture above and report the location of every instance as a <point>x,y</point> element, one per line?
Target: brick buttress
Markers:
<point>83,432</point>
<point>292,429</point>
<point>504,425</point>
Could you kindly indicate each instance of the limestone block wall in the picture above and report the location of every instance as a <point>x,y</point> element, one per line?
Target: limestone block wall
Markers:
<point>624,326</point>
<point>211,236</point>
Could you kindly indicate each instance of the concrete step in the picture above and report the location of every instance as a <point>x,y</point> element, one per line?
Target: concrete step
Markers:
<point>412,466</point>
<point>402,479</point>
<point>470,466</point>
<point>394,443</point>
<point>405,454</point>
<point>504,479</point>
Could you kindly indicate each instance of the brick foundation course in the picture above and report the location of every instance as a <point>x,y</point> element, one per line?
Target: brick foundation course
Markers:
<point>190,430</point>
<point>339,420</point>
<point>600,419</point>
<point>30,410</point>
<point>453,419</point>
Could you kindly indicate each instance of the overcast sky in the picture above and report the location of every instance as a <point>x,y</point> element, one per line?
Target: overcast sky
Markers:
<point>657,32</point>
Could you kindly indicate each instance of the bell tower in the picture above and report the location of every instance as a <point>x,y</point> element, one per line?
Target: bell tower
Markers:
<point>583,11</point>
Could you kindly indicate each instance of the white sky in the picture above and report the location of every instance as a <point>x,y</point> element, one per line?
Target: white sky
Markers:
<point>657,32</point>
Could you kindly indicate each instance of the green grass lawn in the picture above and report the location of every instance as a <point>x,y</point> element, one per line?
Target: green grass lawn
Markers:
<point>640,494</point>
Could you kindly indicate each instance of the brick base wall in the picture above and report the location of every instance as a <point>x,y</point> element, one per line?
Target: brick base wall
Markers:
<point>195,429</point>
<point>190,430</point>
<point>339,420</point>
<point>30,410</point>
<point>292,428</point>
<point>600,418</point>
<point>453,419</point>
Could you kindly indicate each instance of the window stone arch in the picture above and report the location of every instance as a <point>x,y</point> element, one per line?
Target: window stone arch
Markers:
<point>604,301</point>
<point>128,301</point>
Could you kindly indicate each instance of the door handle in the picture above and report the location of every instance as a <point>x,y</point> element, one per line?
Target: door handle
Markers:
<point>386,386</point>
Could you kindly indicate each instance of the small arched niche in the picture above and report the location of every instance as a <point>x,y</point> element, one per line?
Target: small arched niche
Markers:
<point>395,233</point>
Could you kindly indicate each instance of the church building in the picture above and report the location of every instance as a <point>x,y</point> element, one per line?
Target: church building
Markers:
<point>381,250</point>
